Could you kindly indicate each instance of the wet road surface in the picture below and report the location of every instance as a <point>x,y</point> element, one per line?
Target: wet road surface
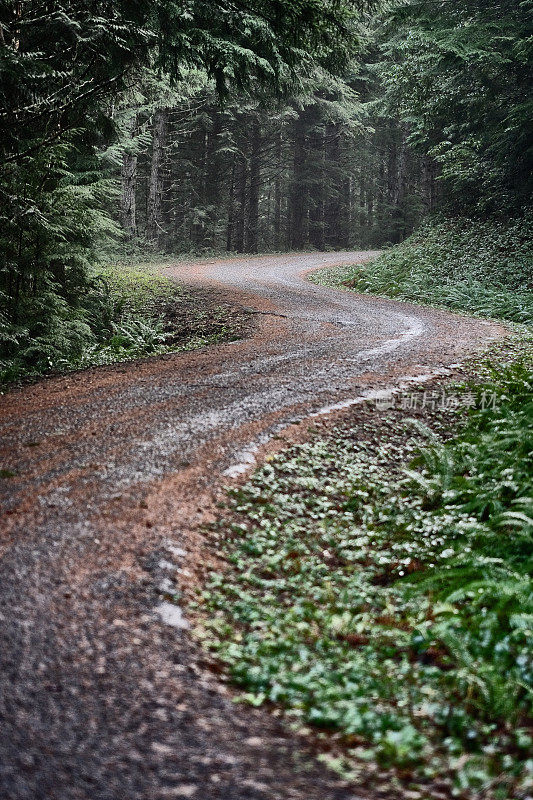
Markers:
<point>114,472</point>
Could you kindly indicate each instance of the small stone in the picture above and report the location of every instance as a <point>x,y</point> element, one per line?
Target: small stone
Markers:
<point>162,749</point>
<point>179,552</point>
<point>164,564</point>
<point>172,615</point>
<point>166,586</point>
<point>186,790</point>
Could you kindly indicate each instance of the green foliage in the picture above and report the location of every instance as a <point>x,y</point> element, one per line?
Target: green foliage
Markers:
<point>388,602</point>
<point>125,312</point>
<point>485,475</point>
<point>482,268</point>
<point>65,69</point>
<point>49,232</point>
<point>268,40</point>
<point>458,74</point>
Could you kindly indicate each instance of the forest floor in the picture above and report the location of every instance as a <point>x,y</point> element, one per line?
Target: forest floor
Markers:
<point>146,315</point>
<point>109,478</point>
<point>191,317</point>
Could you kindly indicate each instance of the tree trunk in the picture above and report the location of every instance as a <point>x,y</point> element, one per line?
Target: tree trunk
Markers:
<point>332,214</point>
<point>429,183</point>
<point>230,230</point>
<point>240,202</point>
<point>129,184</point>
<point>212,181</point>
<point>298,198</point>
<point>154,229</point>
<point>252,231</point>
<point>346,228</point>
<point>316,197</point>
<point>198,219</point>
<point>399,190</point>
<point>277,191</point>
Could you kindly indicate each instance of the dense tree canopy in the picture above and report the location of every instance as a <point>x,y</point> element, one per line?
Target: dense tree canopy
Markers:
<point>459,73</point>
<point>246,125</point>
<point>59,59</point>
<point>65,67</point>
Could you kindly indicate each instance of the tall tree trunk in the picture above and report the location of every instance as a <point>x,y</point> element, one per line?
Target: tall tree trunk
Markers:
<point>129,184</point>
<point>370,205</point>
<point>154,229</point>
<point>346,227</point>
<point>198,220</point>
<point>252,229</point>
<point>399,189</point>
<point>363,222</point>
<point>392,170</point>
<point>316,197</point>
<point>240,202</point>
<point>332,214</point>
<point>230,230</point>
<point>429,183</point>
<point>298,197</point>
<point>277,191</point>
<point>212,180</point>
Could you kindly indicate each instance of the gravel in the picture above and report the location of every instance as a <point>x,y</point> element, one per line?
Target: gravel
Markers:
<point>113,473</point>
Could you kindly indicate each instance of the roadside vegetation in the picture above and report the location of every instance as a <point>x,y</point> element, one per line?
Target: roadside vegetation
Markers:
<point>483,268</point>
<point>379,587</point>
<point>127,311</point>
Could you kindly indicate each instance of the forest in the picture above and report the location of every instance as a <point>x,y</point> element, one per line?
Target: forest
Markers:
<point>269,533</point>
<point>243,127</point>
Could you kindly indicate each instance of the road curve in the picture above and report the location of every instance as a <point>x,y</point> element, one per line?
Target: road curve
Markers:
<point>113,473</point>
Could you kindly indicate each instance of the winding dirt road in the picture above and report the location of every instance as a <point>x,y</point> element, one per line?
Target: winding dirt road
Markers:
<point>114,471</point>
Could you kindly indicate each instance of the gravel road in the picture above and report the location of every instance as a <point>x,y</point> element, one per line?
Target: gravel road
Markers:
<point>113,472</point>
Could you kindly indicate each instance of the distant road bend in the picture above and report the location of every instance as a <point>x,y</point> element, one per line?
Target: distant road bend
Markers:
<point>112,472</point>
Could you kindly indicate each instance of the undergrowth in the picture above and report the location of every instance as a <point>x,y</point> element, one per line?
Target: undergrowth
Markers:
<point>482,268</point>
<point>126,311</point>
<point>379,585</point>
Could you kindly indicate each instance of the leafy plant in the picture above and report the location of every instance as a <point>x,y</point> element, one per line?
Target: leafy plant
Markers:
<point>125,312</point>
<point>375,591</point>
<point>482,268</point>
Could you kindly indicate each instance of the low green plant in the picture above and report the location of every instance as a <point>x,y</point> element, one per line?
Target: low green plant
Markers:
<point>383,590</point>
<point>53,334</point>
<point>482,268</point>
<point>119,316</point>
